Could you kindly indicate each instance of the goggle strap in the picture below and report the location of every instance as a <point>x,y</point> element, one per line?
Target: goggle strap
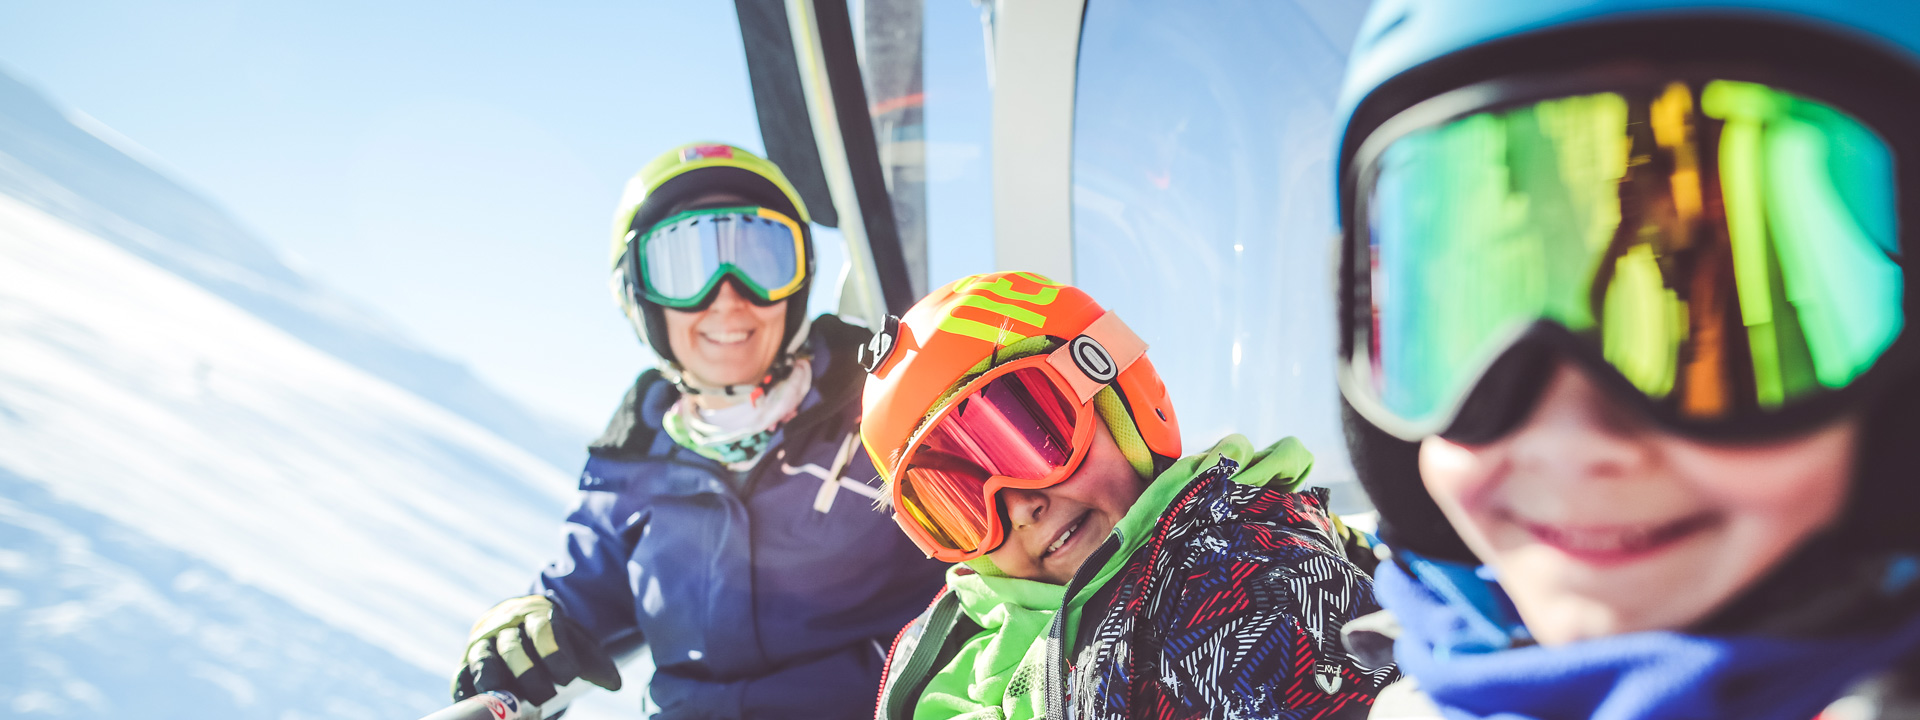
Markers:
<point>1096,357</point>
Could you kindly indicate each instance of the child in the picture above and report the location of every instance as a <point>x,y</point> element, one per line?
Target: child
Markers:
<point>1623,340</point>
<point>1023,434</point>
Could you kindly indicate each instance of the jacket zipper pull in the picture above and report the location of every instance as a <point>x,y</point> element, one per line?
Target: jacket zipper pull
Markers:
<point>1057,671</point>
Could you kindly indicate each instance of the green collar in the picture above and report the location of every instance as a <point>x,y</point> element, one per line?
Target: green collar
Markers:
<point>1286,462</point>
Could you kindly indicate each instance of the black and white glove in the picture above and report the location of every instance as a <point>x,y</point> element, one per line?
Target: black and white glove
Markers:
<point>525,646</point>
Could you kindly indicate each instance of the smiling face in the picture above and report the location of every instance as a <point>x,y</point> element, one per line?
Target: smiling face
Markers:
<point>1052,530</point>
<point>731,342</point>
<point>1598,523</point>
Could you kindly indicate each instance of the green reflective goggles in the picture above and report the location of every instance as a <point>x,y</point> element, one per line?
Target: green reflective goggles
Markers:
<point>684,257</point>
<point>1728,249</point>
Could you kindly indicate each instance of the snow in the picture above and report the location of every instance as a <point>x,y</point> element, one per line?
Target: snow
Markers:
<point>225,492</point>
<point>134,393</point>
<point>106,623</point>
<point>130,393</point>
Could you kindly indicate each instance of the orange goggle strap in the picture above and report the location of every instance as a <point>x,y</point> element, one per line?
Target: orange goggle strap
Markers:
<point>1096,357</point>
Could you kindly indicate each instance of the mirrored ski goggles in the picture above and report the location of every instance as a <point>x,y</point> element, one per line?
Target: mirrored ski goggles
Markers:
<point>684,257</point>
<point>1026,424</point>
<point>1728,249</point>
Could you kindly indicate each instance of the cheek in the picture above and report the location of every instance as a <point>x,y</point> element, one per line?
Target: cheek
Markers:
<point>1457,476</point>
<point>1013,562</point>
<point>680,326</point>
<point>1098,484</point>
<point>772,318</point>
<point>1462,481</point>
<point>1122,489</point>
<point>678,321</point>
<point>1788,490</point>
<point>1107,481</point>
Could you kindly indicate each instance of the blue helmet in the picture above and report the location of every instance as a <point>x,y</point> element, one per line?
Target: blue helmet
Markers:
<point>1412,51</point>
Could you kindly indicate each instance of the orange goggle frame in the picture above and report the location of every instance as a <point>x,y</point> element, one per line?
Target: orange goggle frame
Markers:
<point>946,502</point>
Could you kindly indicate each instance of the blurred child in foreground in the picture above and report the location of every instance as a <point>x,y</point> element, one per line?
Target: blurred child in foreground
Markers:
<point>1622,311</point>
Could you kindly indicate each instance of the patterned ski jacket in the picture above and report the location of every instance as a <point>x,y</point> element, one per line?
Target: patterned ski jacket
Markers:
<point>766,595</point>
<point>1220,594</point>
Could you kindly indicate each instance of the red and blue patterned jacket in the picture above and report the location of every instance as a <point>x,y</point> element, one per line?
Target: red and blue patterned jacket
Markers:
<point>1228,605</point>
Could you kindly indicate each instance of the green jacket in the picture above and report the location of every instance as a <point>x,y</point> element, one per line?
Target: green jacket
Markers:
<point>998,671</point>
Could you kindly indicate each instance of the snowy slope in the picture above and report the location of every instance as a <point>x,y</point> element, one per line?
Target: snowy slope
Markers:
<point>83,173</point>
<point>100,621</point>
<point>129,393</point>
<point>225,492</point>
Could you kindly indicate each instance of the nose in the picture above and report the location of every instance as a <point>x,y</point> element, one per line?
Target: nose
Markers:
<point>1024,507</point>
<point>1577,431</point>
<point>727,298</point>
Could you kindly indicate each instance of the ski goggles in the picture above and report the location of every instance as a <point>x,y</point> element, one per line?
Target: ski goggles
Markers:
<point>1726,251</point>
<point>685,256</point>
<point>1025,424</point>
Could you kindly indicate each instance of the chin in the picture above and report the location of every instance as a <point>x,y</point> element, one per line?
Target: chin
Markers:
<point>726,369</point>
<point>1564,600</point>
<point>740,364</point>
<point>1567,617</point>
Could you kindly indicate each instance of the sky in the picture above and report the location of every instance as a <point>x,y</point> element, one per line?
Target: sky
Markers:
<point>453,166</point>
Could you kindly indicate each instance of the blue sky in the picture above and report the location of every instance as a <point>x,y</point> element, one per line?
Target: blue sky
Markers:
<point>453,165</point>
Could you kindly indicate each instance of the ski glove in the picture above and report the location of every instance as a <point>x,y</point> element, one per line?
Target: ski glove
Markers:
<point>525,646</point>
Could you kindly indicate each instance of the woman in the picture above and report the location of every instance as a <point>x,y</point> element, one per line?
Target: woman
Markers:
<point>726,517</point>
<point>1623,332</point>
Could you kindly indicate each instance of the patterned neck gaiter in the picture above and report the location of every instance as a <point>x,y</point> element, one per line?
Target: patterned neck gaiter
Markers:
<point>737,434</point>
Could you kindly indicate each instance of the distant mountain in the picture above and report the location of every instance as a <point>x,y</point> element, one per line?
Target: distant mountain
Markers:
<point>225,492</point>
<point>333,519</point>
<point>51,163</point>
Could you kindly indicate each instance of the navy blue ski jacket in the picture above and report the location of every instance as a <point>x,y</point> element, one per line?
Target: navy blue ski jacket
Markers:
<point>772,595</point>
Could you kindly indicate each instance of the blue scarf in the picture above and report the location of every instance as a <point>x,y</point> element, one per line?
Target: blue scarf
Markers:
<point>1458,637</point>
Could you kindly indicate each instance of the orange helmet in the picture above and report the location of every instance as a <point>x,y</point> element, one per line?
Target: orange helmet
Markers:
<point>956,337</point>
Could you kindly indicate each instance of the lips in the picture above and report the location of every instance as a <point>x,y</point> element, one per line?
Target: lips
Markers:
<point>1066,535</point>
<point>728,337</point>
<point>1614,544</point>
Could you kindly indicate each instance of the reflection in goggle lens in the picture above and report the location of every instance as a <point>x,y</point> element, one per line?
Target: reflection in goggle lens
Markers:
<point>1019,425</point>
<point>684,253</point>
<point>1730,249</point>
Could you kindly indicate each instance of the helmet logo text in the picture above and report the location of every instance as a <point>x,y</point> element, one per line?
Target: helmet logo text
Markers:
<point>1092,358</point>
<point>697,152</point>
<point>1017,307</point>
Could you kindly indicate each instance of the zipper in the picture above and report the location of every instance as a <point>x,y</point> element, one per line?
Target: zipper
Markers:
<point>1057,673</point>
<point>905,688</point>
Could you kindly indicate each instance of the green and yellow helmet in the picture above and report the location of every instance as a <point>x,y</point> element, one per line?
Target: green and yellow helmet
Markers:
<point>679,180</point>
